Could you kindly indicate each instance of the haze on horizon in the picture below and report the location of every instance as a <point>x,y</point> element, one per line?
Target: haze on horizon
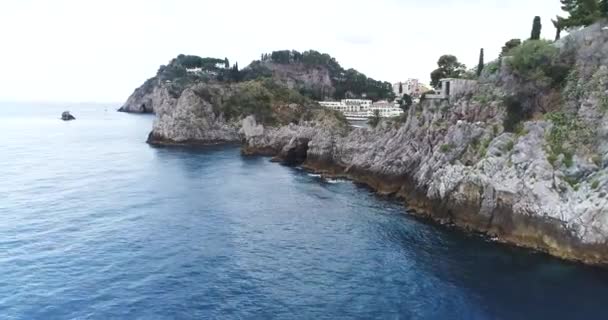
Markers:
<point>100,51</point>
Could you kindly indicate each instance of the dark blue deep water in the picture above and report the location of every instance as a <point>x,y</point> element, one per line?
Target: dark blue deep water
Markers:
<point>96,224</point>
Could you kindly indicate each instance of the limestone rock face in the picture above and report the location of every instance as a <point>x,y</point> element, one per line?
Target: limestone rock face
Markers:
<point>299,76</point>
<point>148,98</point>
<point>191,119</point>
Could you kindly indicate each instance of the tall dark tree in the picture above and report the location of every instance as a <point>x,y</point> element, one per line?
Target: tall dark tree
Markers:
<point>400,88</point>
<point>480,64</point>
<point>536,29</point>
<point>226,63</point>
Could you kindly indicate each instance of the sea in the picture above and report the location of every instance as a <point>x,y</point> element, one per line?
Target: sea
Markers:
<point>97,224</point>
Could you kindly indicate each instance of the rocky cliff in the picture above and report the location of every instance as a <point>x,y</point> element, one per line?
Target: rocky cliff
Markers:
<point>211,113</point>
<point>523,157</point>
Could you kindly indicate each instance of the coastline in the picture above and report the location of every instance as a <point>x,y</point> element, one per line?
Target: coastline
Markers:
<point>543,235</point>
<point>504,225</point>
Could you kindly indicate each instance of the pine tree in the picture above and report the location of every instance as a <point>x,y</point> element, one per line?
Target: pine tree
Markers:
<point>604,8</point>
<point>481,63</point>
<point>582,12</point>
<point>400,88</point>
<point>226,63</point>
<point>536,29</point>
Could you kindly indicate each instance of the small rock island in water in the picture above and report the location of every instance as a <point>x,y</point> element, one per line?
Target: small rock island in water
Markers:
<point>67,116</point>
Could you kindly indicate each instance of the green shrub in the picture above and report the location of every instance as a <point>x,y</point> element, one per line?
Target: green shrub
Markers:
<point>575,89</point>
<point>446,148</point>
<point>573,182</point>
<point>551,158</point>
<point>560,138</point>
<point>495,129</point>
<point>595,184</point>
<point>492,67</point>
<point>597,159</point>
<point>520,130</point>
<point>483,147</point>
<point>537,60</point>
<point>252,98</point>
<point>509,146</point>
<point>568,158</point>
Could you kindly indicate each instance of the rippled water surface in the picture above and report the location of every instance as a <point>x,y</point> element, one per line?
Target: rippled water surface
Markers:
<point>95,224</point>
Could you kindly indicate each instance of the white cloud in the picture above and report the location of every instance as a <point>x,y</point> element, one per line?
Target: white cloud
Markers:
<point>93,50</point>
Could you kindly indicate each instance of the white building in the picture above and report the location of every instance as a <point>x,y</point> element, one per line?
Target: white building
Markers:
<point>411,87</point>
<point>386,109</point>
<point>359,109</point>
<point>336,105</point>
<point>355,105</point>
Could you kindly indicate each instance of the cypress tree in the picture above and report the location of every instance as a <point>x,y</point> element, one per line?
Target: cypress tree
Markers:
<point>536,28</point>
<point>400,88</point>
<point>481,63</point>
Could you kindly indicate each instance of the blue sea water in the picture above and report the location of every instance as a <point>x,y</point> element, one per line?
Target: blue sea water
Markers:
<point>96,224</point>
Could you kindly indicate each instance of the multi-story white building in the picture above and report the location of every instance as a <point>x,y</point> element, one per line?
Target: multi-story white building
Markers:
<point>359,109</point>
<point>412,87</point>
<point>354,105</point>
<point>386,109</point>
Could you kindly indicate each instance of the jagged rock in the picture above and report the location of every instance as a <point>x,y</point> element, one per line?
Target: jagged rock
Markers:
<point>67,116</point>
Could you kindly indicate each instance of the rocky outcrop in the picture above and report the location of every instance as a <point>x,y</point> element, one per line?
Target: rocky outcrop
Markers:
<point>191,119</point>
<point>151,96</point>
<point>212,113</point>
<point>67,116</point>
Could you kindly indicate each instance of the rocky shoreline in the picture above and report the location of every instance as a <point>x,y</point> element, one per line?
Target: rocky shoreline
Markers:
<point>546,235</point>
<point>521,160</point>
<point>540,234</point>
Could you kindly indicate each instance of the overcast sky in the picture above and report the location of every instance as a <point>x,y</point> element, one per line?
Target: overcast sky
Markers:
<point>100,50</point>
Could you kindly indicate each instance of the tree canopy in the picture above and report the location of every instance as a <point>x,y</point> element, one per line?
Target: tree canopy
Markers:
<point>449,67</point>
<point>582,13</point>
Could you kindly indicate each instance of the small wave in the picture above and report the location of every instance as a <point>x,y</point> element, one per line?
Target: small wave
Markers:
<point>332,181</point>
<point>314,175</point>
